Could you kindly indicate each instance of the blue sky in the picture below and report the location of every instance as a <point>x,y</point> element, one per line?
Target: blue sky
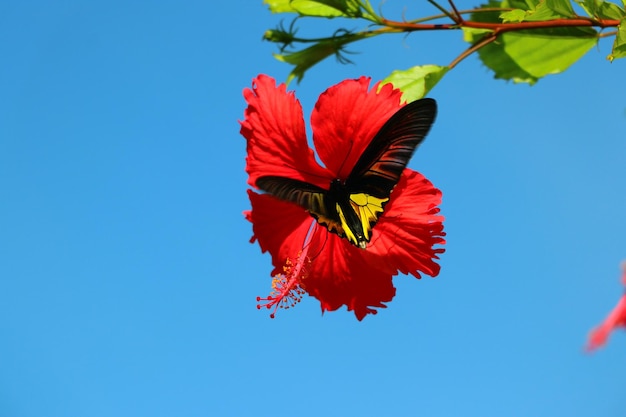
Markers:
<point>127,283</point>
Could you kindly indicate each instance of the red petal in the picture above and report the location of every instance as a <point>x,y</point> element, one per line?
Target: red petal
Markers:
<point>617,318</point>
<point>342,274</point>
<point>280,227</point>
<point>346,118</point>
<point>274,128</point>
<point>404,239</point>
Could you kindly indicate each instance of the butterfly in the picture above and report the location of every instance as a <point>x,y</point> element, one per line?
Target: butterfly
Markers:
<point>351,208</point>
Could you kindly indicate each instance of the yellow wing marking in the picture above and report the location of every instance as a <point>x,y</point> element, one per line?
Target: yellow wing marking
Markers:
<point>368,208</point>
<point>344,224</point>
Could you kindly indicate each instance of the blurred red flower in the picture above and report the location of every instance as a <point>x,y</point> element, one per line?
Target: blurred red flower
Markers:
<point>615,319</point>
<point>307,258</point>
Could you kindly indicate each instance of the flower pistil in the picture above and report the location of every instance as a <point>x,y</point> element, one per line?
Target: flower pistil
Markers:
<point>287,287</point>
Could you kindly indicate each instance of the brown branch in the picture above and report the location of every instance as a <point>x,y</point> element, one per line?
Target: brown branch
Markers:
<point>458,18</point>
<point>501,27</point>
<point>475,47</point>
<point>556,23</point>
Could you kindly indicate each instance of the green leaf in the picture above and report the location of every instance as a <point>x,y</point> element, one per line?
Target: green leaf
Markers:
<point>526,56</point>
<point>473,35</point>
<point>306,58</point>
<point>319,8</point>
<point>546,10</point>
<point>280,6</point>
<point>415,82</point>
<point>520,4</point>
<point>601,9</point>
<point>493,15</point>
<point>607,10</point>
<point>588,6</point>
<point>619,46</point>
<point>541,12</point>
<point>513,16</point>
<point>562,7</point>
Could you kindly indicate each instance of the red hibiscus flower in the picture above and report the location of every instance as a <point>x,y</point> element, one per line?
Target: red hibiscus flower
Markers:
<point>307,257</point>
<point>615,319</point>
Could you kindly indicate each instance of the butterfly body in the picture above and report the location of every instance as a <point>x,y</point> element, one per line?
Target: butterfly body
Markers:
<point>351,208</point>
<point>353,212</point>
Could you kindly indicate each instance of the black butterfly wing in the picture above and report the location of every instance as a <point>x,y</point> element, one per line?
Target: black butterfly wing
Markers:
<point>312,198</point>
<point>379,168</point>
